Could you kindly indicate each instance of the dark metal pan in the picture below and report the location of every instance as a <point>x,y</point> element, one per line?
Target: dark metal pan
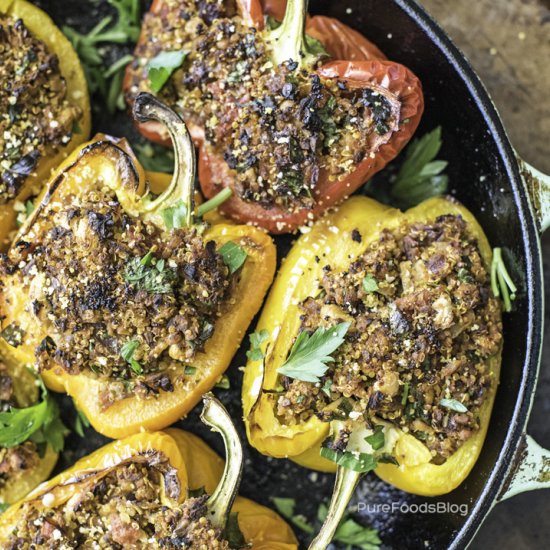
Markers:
<point>511,201</point>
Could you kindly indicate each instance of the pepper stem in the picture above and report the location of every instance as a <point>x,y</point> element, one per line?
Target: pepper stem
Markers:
<point>181,188</point>
<point>288,41</point>
<point>219,504</point>
<point>344,487</point>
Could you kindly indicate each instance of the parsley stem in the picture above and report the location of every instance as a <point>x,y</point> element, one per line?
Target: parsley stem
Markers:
<point>288,41</point>
<point>344,487</point>
<point>117,65</point>
<point>213,203</point>
<point>501,282</point>
<point>219,504</point>
<point>182,187</point>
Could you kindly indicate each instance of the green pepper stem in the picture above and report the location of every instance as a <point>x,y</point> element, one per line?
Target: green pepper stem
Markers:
<point>344,487</point>
<point>214,202</point>
<point>288,41</point>
<point>181,188</point>
<point>219,504</point>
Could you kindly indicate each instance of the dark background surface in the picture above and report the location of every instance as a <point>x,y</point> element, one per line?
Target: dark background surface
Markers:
<point>508,42</point>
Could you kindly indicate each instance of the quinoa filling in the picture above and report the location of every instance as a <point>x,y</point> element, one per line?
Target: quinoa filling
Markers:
<point>37,118</point>
<point>278,128</point>
<point>123,508</point>
<point>119,298</point>
<point>16,461</point>
<point>424,325</point>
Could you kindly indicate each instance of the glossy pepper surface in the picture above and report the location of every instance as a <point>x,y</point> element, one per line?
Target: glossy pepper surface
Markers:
<point>25,392</point>
<point>296,281</point>
<point>356,64</point>
<point>191,466</point>
<point>44,29</point>
<point>112,162</point>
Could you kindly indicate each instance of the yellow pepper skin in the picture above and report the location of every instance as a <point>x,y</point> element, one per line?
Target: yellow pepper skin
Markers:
<point>281,318</point>
<point>196,465</point>
<point>26,394</point>
<point>112,161</point>
<point>44,29</point>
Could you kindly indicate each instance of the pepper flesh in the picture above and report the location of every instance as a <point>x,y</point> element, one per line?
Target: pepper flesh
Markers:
<point>113,163</point>
<point>41,26</point>
<point>26,393</point>
<point>364,66</point>
<point>281,318</point>
<point>197,466</point>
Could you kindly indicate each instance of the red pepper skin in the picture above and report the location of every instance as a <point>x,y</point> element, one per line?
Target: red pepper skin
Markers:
<point>214,174</point>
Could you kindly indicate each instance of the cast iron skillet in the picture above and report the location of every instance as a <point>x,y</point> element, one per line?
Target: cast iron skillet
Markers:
<point>486,176</point>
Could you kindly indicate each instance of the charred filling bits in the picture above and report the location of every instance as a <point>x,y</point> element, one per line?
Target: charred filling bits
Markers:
<point>423,326</point>
<point>120,509</point>
<point>118,297</point>
<point>277,128</point>
<point>16,461</point>
<point>36,116</point>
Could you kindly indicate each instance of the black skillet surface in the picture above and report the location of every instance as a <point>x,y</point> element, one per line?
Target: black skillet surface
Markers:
<point>480,178</point>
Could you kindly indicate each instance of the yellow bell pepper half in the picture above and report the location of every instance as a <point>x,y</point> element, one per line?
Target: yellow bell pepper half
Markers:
<point>297,278</point>
<point>111,161</point>
<point>196,467</point>
<point>45,30</point>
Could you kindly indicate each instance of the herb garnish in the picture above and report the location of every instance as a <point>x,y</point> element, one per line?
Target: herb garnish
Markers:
<point>310,354</point>
<point>80,422</point>
<point>376,440</point>
<point>223,383</point>
<point>90,48</point>
<point>39,423</point>
<point>349,532</point>
<point>233,255</point>
<point>419,178</point>
<point>189,370</point>
<point>358,462</point>
<point>255,352</point>
<point>501,282</point>
<point>161,67</point>
<point>453,405</point>
<point>370,284</point>
<point>127,353</point>
<point>150,274</point>
<point>174,216</point>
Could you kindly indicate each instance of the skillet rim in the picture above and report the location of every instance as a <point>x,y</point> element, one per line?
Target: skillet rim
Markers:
<point>507,456</point>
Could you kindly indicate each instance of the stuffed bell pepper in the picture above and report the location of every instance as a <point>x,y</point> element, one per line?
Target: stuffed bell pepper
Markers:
<point>44,104</point>
<point>127,300</point>
<point>150,490</point>
<point>379,349</point>
<point>292,116</point>
<point>31,433</point>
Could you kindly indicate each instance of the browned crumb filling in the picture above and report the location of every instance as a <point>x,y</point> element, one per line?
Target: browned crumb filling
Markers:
<point>16,461</point>
<point>36,116</point>
<point>277,128</point>
<point>122,509</point>
<point>423,336</point>
<point>119,297</point>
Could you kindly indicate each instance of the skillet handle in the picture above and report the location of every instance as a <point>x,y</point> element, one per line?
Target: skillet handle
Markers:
<point>538,187</point>
<point>530,471</point>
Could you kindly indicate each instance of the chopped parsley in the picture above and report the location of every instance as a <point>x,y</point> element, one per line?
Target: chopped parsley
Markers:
<point>370,284</point>
<point>358,462</point>
<point>127,353</point>
<point>150,274</point>
<point>255,352</point>
<point>161,67</point>
<point>80,422</point>
<point>174,216</point>
<point>453,405</point>
<point>233,255</point>
<point>377,439</point>
<point>39,423</point>
<point>310,354</point>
